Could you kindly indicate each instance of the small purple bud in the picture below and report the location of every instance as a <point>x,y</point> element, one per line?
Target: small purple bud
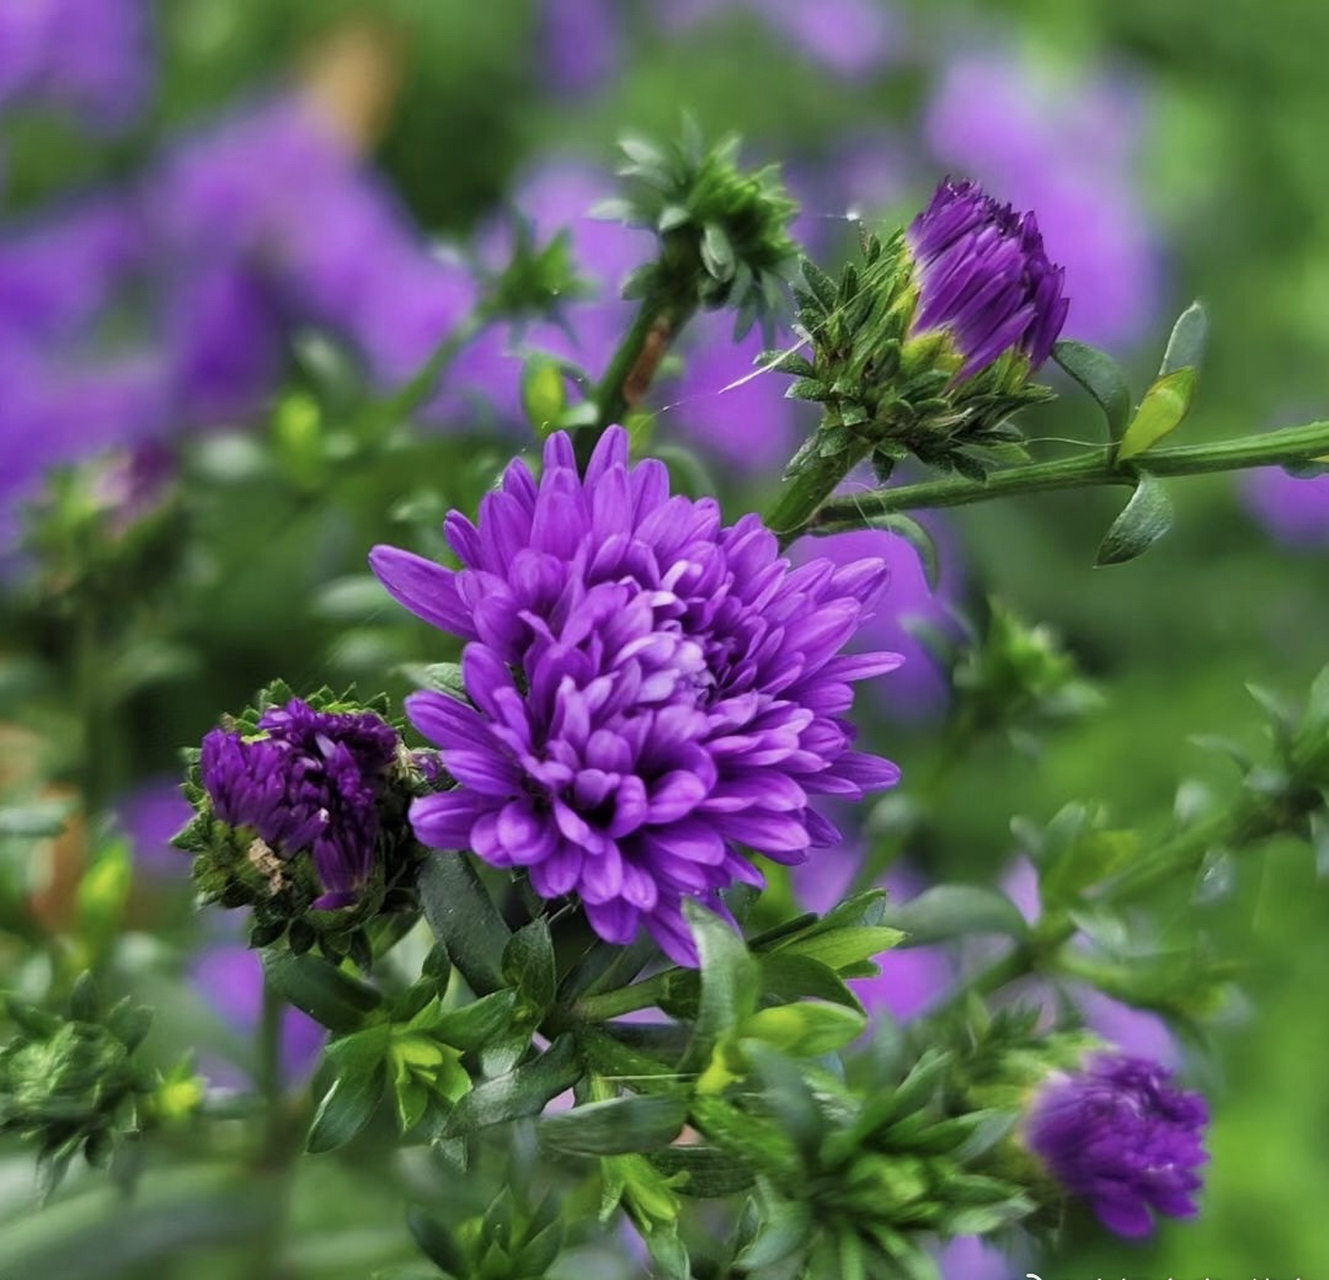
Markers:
<point>984,278</point>
<point>1123,1137</point>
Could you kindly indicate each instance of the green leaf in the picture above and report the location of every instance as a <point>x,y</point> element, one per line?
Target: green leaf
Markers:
<point>437,1242</point>
<point>804,1030</point>
<point>464,918</point>
<point>35,821</point>
<point>730,983</point>
<point>844,948</point>
<point>954,910</point>
<point>316,987</point>
<point>528,965</point>
<point>1146,518</point>
<point>1161,411</point>
<point>785,1227</point>
<point>523,1092</point>
<point>618,1126</point>
<point>349,1105</point>
<point>668,1254</point>
<point>471,1026</point>
<point>790,976</point>
<point>1185,346</point>
<point>544,395</point>
<point>917,537</point>
<point>711,1172</point>
<point>1102,377</point>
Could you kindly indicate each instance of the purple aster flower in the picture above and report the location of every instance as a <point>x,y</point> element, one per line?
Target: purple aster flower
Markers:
<point>311,782</point>
<point>1122,1136</point>
<point>1294,509</point>
<point>650,691</point>
<point>91,55</point>
<point>1067,149</point>
<point>984,277</point>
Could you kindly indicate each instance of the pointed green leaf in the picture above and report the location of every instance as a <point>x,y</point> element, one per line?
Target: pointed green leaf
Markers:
<point>317,987</point>
<point>1185,347</point>
<point>845,948</point>
<point>523,1092</point>
<point>806,1029</point>
<point>528,965</point>
<point>1102,377</point>
<point>464,918</point>
<point>953,910</point>
<point>1145,519</point>
<point>348,1106</point>
<point>618,1126</point>
<point>730,983</point>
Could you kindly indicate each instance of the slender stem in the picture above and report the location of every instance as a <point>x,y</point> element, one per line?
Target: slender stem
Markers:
<point>1099,467</point>
<point>268,1065</point>
<point>610,1004</point>
<point>634,364</point>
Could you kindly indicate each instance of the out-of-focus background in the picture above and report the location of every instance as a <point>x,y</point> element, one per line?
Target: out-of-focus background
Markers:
<point>217,216</point>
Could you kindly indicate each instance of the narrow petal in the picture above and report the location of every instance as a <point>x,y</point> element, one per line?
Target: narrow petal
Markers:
<point>427,589</point>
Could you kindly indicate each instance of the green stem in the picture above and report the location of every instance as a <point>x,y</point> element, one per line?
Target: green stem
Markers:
<point>633,366</point>
<point>1099,467</point>
<point>610,1004</point>
<point>801,499</point>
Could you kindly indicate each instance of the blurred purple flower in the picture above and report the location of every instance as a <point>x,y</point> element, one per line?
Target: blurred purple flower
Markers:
<point>230,980</point>
<point>1068,152</point>
<point>1134,1031</point>
<point>911,979</point>
<point>1121,1135</point>
<point>61,269</point>
<point>1292,509</point>
<point>93,56</point>
<point>919,689</point>
<point>973,1258</point>
<point>559,195</point>
<point>852,38</point>
<point>728,408</point>
<point>149,816</point>
<point>580,43</point>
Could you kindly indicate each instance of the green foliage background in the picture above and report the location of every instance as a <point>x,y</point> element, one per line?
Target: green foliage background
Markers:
<point>1237,180</point>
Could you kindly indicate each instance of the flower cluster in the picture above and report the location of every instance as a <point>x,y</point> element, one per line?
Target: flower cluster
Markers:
<point>310,781</point>
<point>651,691</point>
<point>1122,1136</point>
<point>984,277</point>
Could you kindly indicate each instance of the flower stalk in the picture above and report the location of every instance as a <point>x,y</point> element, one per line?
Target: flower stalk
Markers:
<point>1289,446</point>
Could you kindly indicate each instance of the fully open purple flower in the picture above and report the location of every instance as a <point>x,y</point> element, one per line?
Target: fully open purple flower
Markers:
<point>312,782</point>
<point>984,277</point>
<point>1122,1136</point>
<point>652,692</point>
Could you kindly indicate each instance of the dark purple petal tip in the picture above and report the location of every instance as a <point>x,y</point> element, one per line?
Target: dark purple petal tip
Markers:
<point>985,278</point>
<point>654,695</point>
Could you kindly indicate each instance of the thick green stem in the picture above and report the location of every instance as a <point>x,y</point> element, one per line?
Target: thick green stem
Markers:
<point>634,364</point>
<point>799,501</point>
<point>1099,467</point>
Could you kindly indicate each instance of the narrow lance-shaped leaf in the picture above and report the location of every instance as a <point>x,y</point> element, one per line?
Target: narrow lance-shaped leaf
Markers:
<point>617,1126</point>
<point>1146,518</point>
<point>1185,347</point>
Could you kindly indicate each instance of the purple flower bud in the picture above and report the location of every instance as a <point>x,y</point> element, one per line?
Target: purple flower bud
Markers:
<point>1120,1135</point>
<point>310,783</point>
<point>652,694</point>
<point>984,278</point>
